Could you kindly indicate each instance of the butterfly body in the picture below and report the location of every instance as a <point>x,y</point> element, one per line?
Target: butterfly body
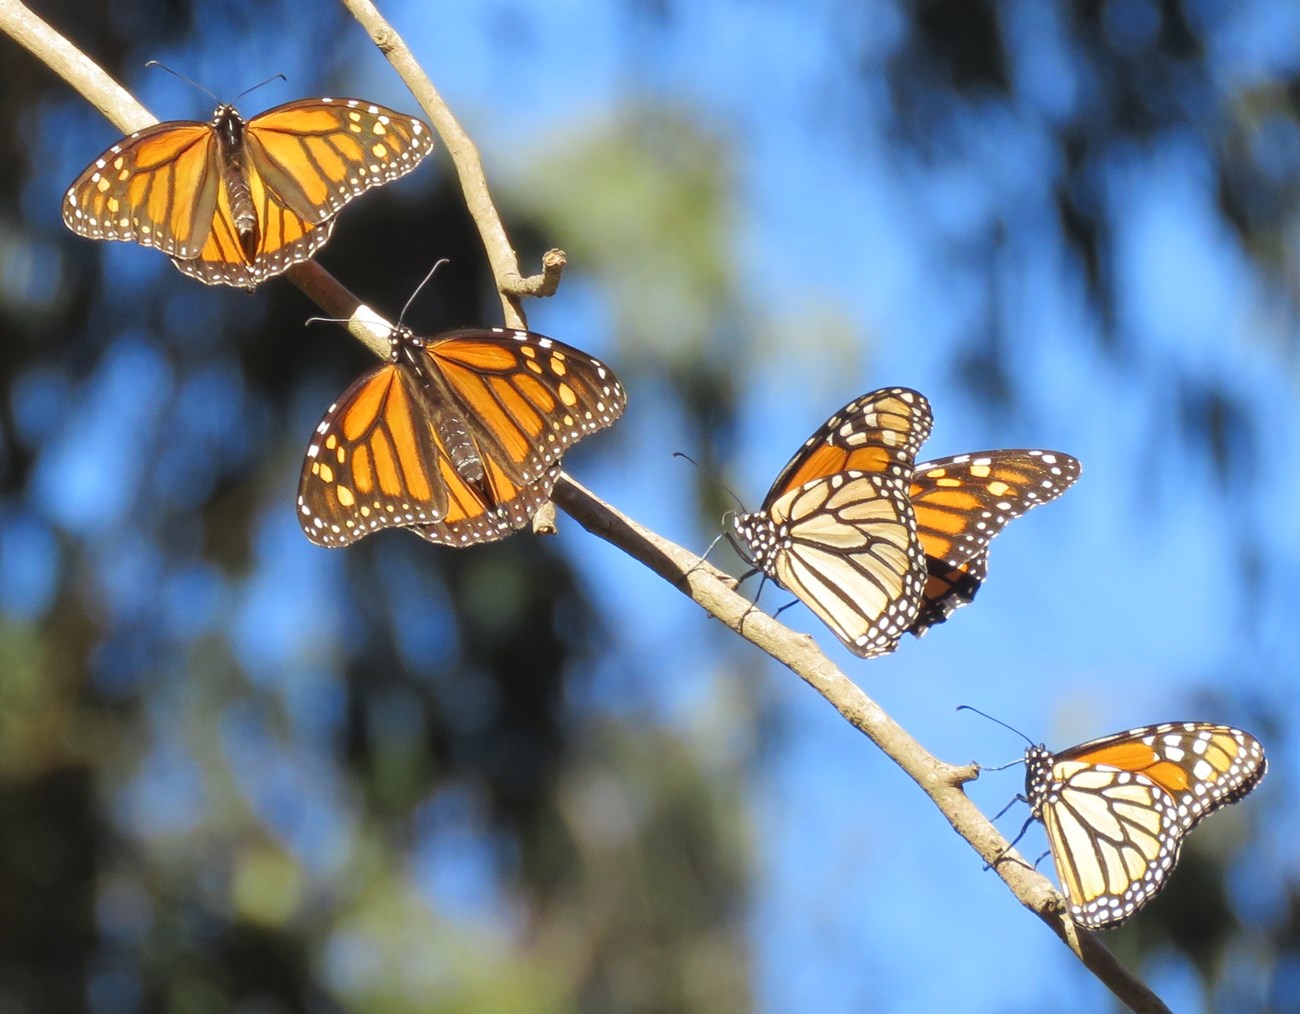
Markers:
<point>837,528</point>
<point>234,202</point>
<point>229,128</point>
<point>1116,809</point>
<point>458,437</point>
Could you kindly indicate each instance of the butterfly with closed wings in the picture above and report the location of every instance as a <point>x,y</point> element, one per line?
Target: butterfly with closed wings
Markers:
<point>1116,809</point>
<point>235,202</point>
<point>837,528</point>
<point>458,437</point>
<point>962,502</point>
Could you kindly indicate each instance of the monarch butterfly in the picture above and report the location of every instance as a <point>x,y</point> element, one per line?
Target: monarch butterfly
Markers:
<point>1116,809</point>
<point>234,202</point>
<point>837,528</point>
<point>962,502</point>
<point>457,437</point>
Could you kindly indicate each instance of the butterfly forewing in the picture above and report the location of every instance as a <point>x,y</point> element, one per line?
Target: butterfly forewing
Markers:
<point>962,502</point>
<point>1116,809</point>
<point>157,188</point>
<point>315,155</point>
<point>166,186</point>
<point>374,462</point>
<point>879,433</point>
<point>528,397</point>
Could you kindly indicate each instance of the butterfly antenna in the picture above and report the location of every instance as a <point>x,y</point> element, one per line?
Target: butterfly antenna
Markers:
<point>259,85</point>
<point>432,271</point>
<point>173,73</point>
<point>325,320</point>
<point>716,481</point>
<point>967,707</point>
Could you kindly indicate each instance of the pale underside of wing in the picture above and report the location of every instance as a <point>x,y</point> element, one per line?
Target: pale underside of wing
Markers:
<point>1114,837</point>
<point>846,547</point>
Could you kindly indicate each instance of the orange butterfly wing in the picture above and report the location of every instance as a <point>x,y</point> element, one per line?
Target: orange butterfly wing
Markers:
<point>528,398</point>
<point>373,463</point>
<point>962,502</point>
<point>157,188</point>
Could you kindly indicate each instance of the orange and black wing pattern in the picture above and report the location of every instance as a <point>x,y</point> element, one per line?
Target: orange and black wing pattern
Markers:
<point>526,397</point>
<point>294,167</point>
<point>1116,809</point>
<point>878,434</point>
<point>158,188</point>
<point>962,502</point>
<point>459,438</point>
<point>374,462</point>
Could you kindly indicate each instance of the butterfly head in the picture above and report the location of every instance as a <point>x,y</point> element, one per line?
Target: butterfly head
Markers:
<point>229,125</point>
<point>1038,776</point>
<point>401,339</point>
<point>756,537</point>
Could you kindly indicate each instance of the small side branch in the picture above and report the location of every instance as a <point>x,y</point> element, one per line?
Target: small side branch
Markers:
<point>511,285</point>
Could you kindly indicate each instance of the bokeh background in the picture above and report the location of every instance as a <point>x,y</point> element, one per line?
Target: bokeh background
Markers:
<point>241,772</point>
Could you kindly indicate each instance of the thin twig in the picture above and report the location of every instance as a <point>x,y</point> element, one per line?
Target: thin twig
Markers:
<point>511,285</point>
<point>707,586</point>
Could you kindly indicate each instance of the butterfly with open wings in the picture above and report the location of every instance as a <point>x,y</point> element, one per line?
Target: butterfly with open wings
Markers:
<point>457,437</point>
<point>235,202</point>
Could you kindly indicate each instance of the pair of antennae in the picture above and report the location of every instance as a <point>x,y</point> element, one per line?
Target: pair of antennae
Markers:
<point>195,84</point>
<point>401,316</point>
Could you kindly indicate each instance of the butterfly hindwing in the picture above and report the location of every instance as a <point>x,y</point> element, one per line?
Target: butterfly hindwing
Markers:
<point>962,502</point>
<point>1116,809</point>
<point>846,546</point>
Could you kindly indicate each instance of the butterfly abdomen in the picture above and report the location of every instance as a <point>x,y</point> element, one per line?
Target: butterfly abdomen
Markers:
<point>234,177</point>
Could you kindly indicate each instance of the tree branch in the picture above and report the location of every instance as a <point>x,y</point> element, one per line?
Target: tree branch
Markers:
<point>511,285</point>
<point>704,584</point>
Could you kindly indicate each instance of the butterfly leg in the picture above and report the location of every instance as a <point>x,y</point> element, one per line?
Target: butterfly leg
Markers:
<point>1024,827</point>
<point>1017,798</point>
<point>792,602</point>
